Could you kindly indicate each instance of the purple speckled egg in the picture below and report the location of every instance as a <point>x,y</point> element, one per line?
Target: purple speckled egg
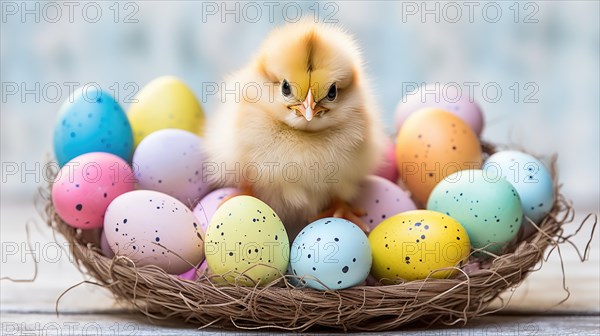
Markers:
<point>389,167</point>
<point>381,199</point>
<point>206,208</point>
<point>450,97</point>
<point>195,272</point>
<point>105,247</point>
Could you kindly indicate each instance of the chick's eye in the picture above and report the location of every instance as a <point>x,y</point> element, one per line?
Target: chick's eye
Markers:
<point>286,90</point>
<point>332,93</point>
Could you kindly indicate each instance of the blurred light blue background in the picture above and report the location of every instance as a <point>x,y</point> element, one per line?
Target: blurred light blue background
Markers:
<point>553,45</point>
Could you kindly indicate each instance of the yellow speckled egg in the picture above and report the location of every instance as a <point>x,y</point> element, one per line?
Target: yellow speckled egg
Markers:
<point>165,102</point>
<point>414,244</point>
<point>246,242</point>
<point>432,144</point>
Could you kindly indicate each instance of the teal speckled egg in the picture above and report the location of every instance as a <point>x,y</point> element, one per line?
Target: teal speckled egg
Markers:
<point>489,209</point>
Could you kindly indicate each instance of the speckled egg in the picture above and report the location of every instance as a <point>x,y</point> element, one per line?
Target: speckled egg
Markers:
<point>389,168</point>
<point>86,185</point>
<point>418,244</point>
<point>380,199</point>
<point>170,161</point>
<point>194,273</point>
<point>165,102</point>
<point>152,228</point>
<point>331,252</point>
<point>91,121</point>
<point>246,242</point>
<point>431,145</point>
<point>206,208</point>
<point>489,209</point>
<point>529,177</point>
<point>451,98</point>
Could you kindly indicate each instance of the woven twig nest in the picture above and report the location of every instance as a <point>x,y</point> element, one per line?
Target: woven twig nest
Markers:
<point>161,296</point>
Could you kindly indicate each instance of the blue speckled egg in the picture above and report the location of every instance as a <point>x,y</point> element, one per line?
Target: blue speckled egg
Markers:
<point>332,250</point>
<point>91,121</point>
<point>489,209</point>
<point>528,176</point>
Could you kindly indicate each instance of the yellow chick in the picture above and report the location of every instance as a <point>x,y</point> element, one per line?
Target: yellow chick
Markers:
<point>304,130</point>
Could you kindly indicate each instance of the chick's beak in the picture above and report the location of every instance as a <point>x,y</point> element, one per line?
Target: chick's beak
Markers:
<point>308,108</point>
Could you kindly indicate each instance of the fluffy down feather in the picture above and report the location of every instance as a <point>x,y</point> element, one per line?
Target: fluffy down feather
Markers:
<point>262,141</point>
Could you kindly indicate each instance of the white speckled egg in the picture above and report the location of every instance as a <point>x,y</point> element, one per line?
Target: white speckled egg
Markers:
<point>246,242</point>
<point>206,208</point>
<point>146,225</point>
<point>170,161</point>
<point>529,177</point>
<point>332,250</point>
<point>381,199</point>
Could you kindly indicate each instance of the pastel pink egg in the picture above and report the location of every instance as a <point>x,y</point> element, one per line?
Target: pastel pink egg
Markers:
<point>389,167</point>
<point>450,97</point>
<point>381,199</point>
<point>205,209</point>
<point>87,184</point>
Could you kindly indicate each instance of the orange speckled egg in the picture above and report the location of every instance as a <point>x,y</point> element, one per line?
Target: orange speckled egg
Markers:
<point>432,144</point>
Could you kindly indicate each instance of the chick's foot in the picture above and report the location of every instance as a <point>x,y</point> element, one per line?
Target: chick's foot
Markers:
<point>341,209</point>
<point>244,191</point>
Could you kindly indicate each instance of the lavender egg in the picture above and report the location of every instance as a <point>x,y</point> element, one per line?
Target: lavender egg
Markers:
<point>449,97</point>
<point>170,161</point>
<point>206,208</point>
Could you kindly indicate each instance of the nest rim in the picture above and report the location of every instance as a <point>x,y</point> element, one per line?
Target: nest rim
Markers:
<point>281,305</point>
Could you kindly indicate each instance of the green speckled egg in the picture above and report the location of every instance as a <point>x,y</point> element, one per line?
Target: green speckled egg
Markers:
<point>489,209</point>
<point>246,242</point>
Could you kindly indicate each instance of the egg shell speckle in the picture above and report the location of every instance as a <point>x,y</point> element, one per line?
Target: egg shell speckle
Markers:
<point>246,242</point>
<point>431,145</point>
<point>381,199</point>
<point>332,250</point>
<point>171,161</point>
<point>413,244</point>
<point>91,121</point>
<point>449,97</point>
<point>489,209</point>
<point>145,225</point>
<point>206,208</point>
<point>530,178</point>
<point>86,185</point>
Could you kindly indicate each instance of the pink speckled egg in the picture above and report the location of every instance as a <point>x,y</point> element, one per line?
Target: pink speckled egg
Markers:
<point>450,97</point>
<point>87,184</point>
<point>389,167</point>
<point>381,199</point>
<point>206,208</point>
<point>152,228</point>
